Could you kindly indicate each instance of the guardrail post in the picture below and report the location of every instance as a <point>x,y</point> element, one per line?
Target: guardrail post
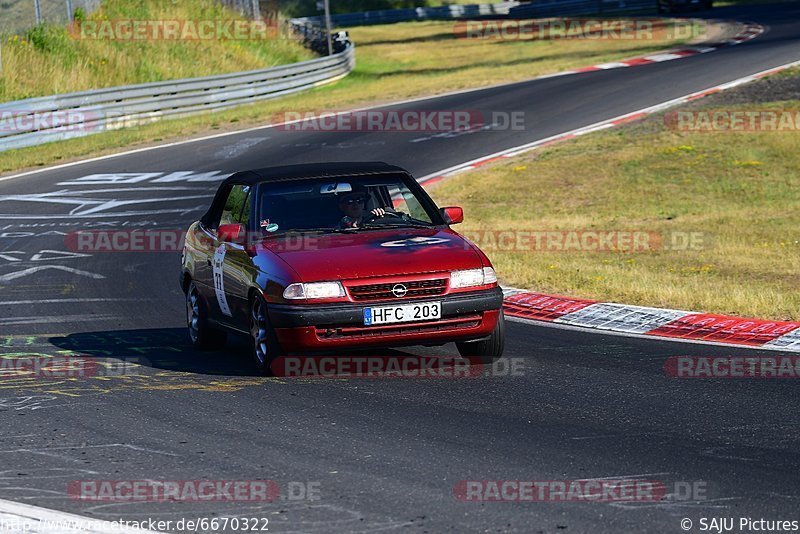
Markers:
<point>38,9</point>
<point>328,26</point>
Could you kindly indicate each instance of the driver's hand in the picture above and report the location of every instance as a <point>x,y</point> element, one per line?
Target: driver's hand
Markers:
<point>378,212</point>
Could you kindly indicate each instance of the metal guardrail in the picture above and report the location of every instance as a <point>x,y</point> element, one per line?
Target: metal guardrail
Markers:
<point>389,16</point>
<point>572,8</point>
<point>41,120</point>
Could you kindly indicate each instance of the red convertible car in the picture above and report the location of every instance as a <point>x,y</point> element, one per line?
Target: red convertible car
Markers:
<point>336,256</point>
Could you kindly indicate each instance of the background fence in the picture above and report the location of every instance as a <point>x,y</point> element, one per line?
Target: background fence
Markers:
<point>248,8</point>
<point>513,9</point>
<point>389,16</point>
<point>572,8</point>
<point>16,16</point>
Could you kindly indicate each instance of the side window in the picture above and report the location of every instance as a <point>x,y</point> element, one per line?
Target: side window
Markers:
<point>236,203</point>
<point>404,201</point>
<point>244,218</point>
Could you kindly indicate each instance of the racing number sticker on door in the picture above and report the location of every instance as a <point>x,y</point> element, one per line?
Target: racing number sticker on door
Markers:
<point>219,284</point>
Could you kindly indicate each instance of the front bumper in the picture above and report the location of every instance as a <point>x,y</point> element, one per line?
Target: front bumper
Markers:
<point>465,316</point>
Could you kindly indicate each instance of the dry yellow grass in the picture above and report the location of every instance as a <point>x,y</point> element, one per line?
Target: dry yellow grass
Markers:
<point>739,190</point>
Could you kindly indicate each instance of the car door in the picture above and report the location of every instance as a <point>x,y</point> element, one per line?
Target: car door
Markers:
<point>218,261</point>
<point>201,251</point>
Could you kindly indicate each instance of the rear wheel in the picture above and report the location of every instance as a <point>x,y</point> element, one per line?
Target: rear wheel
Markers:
<point>486,351</point>
<point>263,341</point>
<point>201,335</point>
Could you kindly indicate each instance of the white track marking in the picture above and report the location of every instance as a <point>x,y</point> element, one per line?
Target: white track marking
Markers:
<point>238,148</point>
<point>44,521</point>
<point>53,319</point>
<point>78,300</point>
<point>662,57</point>
<point>33,270</point>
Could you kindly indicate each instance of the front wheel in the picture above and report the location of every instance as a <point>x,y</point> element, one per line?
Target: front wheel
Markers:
<point>486,351</point>
<point>263,341</point>
<point>201,335</point>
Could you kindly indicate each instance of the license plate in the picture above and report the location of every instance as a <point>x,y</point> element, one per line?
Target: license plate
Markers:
<point>402,313</point>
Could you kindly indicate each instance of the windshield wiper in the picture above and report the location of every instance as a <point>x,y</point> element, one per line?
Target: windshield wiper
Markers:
<point>303,231</point>
<point>336,230</point>
<point>398,225</point>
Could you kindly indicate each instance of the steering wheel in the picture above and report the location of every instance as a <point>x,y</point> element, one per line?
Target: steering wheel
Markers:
<point>371,217</point>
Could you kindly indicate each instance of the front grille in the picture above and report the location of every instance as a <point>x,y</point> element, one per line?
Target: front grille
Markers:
<point>416,288</point>
<point>443,325</point>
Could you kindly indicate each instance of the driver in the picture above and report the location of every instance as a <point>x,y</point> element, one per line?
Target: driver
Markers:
<point>352,205</point>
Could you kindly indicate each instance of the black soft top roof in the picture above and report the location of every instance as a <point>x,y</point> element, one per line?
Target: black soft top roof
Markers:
<point>312,170</point>
<point>298,172</point>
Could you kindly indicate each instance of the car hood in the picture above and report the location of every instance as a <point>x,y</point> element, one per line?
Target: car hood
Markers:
<point>364,254</point>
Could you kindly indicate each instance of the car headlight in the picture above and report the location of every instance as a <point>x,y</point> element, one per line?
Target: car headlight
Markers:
<point>472,277</point>
<point>315,290</point>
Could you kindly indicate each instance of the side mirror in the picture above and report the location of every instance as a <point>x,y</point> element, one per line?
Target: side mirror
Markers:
<point>231,233</point>
<point>452,215</point>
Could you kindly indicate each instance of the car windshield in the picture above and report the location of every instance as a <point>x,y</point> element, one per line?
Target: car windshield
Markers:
<point>341,204</point>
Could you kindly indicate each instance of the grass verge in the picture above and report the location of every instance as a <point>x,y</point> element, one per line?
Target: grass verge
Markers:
<point>50,59</point>
<point>738,191</point>
<point>393,62</point>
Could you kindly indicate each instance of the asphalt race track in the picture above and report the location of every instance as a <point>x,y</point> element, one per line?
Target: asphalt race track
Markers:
<point>378,454</point>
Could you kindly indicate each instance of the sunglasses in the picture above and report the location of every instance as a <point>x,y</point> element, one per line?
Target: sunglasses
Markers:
<point>351,201</point>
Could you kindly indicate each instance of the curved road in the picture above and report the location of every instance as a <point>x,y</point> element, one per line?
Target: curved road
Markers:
<point>381,454</point>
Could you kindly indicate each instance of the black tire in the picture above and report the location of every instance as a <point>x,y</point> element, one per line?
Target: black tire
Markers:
<point>201,335</point>
<point>486,351</point>
<point>264,344</point>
